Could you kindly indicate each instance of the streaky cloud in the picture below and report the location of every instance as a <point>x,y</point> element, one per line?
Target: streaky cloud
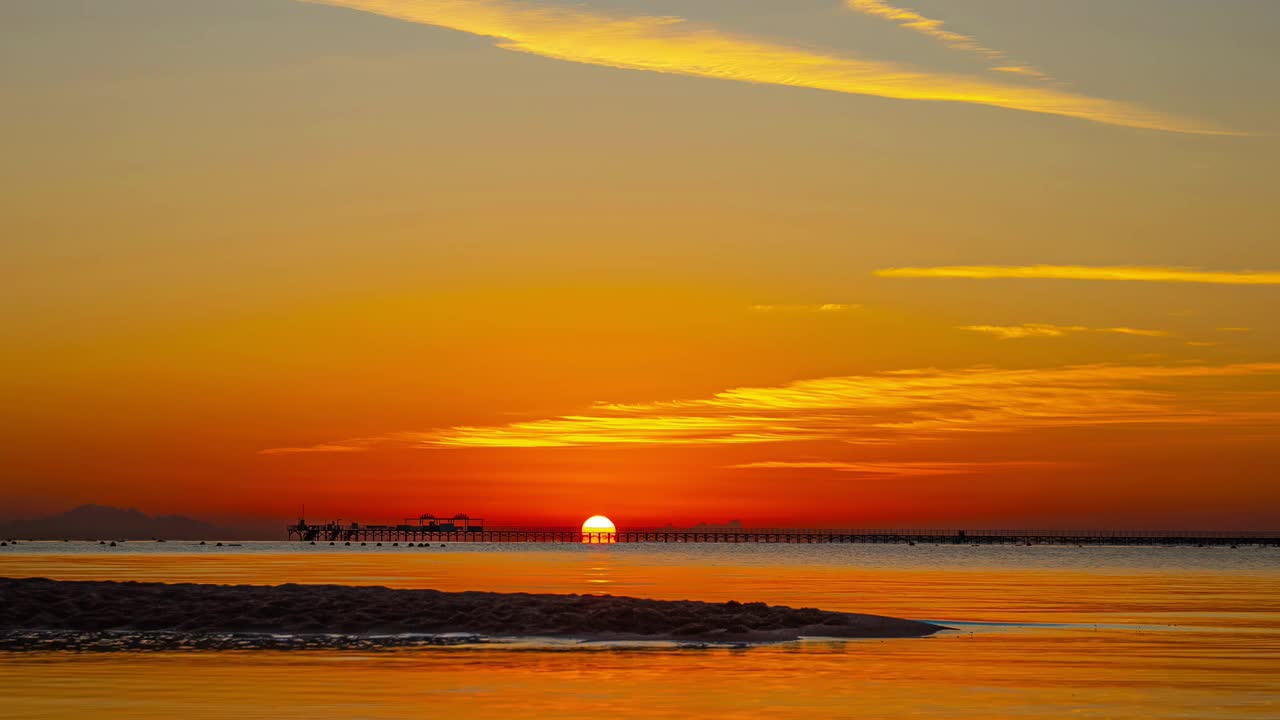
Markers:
<point>823,308</point>
<point>674,45</point>
<point>1084,272</point>
<point>1021,70</point>
<point>321,448</point>
<point>912,20</point>
<point>881,409</point>
<point>1032,330</point>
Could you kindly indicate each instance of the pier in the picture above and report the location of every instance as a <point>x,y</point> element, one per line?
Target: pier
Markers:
<point>470,530</point>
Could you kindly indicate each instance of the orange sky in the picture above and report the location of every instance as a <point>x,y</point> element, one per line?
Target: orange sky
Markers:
<point>822,263</point>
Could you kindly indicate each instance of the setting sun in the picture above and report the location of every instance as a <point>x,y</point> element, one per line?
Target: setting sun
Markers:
<point>598,529</point>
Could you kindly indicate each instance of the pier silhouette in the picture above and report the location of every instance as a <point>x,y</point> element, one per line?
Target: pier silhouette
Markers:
<point>464,529</point>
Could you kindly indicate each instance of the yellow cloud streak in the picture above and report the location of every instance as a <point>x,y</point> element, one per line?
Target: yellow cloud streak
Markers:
<point>1027,330</point>
<point>876,409</point>
<point>1081,272</point>
<point>672,45</point>
<point>935,29</point>
<point>825,308</point>
<point>576,431</point>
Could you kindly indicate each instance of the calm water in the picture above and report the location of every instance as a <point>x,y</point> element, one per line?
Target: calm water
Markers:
<point>1041,633</point>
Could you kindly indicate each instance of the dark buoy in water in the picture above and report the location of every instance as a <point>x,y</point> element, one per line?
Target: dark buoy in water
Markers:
<point>395,544</point>
<point>313,542</point>
<point>330,542</point>
<point>219,545</point>
<point>441,544</point>
<point>102,542</point>
<point>201,542</point>
<point>113,543</point>
<point>363,544</point>
<point>379,544</point>
<point>347,543</point>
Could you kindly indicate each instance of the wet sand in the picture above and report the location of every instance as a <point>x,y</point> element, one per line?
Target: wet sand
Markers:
<point>87,615</point>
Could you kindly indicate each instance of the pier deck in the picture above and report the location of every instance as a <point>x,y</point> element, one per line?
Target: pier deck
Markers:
<point>388,533</point>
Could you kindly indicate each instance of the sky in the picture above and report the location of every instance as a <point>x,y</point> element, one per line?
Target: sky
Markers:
<point>813,263</point>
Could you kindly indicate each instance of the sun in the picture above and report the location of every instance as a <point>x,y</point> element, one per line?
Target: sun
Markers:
<point>599,529</point>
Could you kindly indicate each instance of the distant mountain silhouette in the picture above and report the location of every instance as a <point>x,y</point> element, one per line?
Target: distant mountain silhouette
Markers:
<point>98,522</point>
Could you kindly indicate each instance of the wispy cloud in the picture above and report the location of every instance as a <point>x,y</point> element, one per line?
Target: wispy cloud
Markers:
<point>881,408</point>
<point>825,308</point>
<point>1031,330</point>
<point>896,468</point>
<point>353,445</point>
<point>1022,70</point>
<point>937,30</point>
<point>622,429</point>
<point>673,45</point>
<point>1084,272</point>
<point>321,448</point>
<point>1140,332</point>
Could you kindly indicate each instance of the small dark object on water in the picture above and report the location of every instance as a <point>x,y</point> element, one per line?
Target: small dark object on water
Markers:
<point>347,543</point>
<point>379,544</point>
<point>441,544</point>
<point>363,544</point>
<point>201,542</point>
<point>113,543</point>
<point>219,545</point>
<point>395,544</point>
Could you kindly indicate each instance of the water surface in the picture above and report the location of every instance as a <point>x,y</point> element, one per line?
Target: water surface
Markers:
<point>1042,632</point>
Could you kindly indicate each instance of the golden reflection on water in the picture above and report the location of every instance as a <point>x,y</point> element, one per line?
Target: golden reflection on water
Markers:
<point>1118,643</point>
<point>1030,674</point>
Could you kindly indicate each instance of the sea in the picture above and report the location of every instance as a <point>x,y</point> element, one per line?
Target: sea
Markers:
<point>1035,632</point>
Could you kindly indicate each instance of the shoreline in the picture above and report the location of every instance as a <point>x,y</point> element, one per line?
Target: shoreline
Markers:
<point>108,615</point>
